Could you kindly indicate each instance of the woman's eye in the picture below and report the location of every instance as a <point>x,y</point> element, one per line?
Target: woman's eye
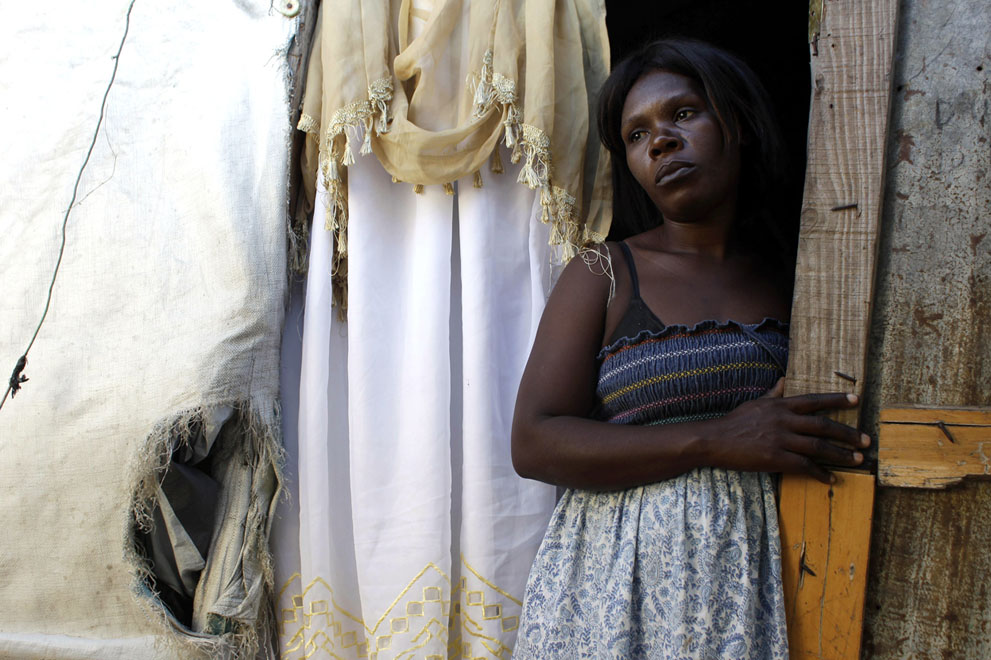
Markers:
<point>635,135</point>
<point>683,114</point>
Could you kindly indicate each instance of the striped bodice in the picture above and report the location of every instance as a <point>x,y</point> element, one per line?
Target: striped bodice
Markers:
<point>687,374</point>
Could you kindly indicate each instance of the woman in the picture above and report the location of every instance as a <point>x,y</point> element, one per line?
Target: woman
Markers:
<point>653,392</point>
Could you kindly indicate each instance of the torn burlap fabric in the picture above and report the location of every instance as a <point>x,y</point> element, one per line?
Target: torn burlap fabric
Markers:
<point>431,115</point>
<point>161,345</point>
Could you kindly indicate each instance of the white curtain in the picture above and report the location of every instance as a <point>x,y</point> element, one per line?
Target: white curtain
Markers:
<point>415,534</point>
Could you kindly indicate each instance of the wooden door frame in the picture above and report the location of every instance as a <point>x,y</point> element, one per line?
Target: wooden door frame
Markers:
<point>825,530</point>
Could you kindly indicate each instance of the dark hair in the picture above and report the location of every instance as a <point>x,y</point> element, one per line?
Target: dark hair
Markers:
<point>740,103</point>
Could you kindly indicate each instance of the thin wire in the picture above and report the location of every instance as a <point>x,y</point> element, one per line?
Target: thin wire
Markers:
<point>22,361</point>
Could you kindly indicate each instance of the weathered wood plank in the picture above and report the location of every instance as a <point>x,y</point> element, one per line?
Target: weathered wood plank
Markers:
<point>927,415</point>
<point>843,193</point>
<point>824,563</point>
<point>933,447</point>
<point>831,312</point>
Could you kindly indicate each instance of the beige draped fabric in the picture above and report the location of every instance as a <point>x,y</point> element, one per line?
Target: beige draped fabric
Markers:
<point>534,67</point>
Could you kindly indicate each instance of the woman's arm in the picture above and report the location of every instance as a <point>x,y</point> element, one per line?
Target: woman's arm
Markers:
<point>554,441</point>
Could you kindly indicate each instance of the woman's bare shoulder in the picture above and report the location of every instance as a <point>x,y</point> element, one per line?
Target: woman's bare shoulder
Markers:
<point>589,275</point>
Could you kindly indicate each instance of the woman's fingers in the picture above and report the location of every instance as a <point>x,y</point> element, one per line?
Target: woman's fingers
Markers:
<point>805,465</point>
<point>824,451</point>
<point>824,427</point>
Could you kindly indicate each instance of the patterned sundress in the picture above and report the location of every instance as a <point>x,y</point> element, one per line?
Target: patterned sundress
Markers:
<point>689,567</point>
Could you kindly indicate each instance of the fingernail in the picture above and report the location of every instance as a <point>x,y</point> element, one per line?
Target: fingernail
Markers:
<point>865,439</point>
<point>857,456</point>
<point>852,398</point>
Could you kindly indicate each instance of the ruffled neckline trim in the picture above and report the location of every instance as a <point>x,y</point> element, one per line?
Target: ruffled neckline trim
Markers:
<point>701,326</point>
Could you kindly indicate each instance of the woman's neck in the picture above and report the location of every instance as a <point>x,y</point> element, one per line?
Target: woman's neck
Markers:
<point>709,239</point>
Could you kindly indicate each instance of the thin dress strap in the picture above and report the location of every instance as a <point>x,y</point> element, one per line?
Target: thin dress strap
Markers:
<point>633,270</point>
<point>638,316</point>
<point>756,339</point>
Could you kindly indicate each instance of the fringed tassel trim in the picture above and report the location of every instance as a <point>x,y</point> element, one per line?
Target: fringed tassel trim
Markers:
<point>484,90</point>
<point>308,124</point>
<point>527,143</point>
<point>336,154</point>
<point>531,145</point>
<point>496,163</point>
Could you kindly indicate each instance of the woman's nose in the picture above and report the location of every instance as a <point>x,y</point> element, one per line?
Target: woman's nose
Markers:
<point>664,143</point>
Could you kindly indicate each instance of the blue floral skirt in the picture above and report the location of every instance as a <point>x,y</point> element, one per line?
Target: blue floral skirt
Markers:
<point>685,568</point>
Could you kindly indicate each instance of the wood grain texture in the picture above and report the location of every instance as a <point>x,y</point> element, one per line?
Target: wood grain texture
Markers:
<point>929,591</point>
<point>933,448</point>
<point>831,310</point>
<point>824,563</point>
<point>923,415</point>
<point>831,313</point>
<point>848,121</point>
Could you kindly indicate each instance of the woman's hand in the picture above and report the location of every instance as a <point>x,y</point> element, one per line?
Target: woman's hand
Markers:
<point>784,434</point>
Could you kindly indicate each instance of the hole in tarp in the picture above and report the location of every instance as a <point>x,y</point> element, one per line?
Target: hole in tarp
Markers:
<point>183,519</point>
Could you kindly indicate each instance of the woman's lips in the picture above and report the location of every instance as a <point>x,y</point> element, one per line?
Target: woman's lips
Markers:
<point>673,172</point>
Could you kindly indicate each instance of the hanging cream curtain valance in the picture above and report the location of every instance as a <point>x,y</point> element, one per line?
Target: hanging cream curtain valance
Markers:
<point>535,67</point>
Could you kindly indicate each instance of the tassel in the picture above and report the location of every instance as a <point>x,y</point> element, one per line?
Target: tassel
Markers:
<point>383,122</point>
<point>330,222</point>
<point>333,173</point>
<point>395,179</point>
<point>570,251</point>
<point>510,133</point>
<point>348,154</point>
<point>477,182</point>
<point>341,238</point>
<point>418,188</point>
<point>380,93</point>
<point>496,163</point>
<point>484,89</point>
<point>512,122</point>
<point>448,188</point>
<point>366,145</point>
<point>528,175</point>
<point>483,97</point>
<point>483,92</point>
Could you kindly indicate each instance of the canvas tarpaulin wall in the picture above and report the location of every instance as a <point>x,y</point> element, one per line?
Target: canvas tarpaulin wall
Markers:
<point>164,323</point>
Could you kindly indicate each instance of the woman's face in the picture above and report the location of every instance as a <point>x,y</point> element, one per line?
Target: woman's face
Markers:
<point>676,150</point>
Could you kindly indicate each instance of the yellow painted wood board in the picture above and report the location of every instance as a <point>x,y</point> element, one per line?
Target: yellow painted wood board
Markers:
<point>825,552</point>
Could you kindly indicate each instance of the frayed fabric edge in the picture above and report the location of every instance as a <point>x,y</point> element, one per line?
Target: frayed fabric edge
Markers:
<point>258,429</point>
<point>526,143</point>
